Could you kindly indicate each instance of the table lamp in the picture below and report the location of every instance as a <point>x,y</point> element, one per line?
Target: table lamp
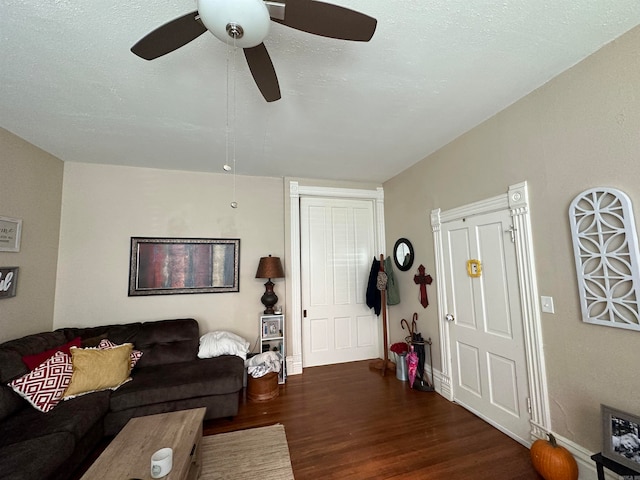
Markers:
<point>269,267</point>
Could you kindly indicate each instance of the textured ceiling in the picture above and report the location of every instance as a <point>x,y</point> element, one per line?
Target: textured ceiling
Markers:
<point>349,110</point>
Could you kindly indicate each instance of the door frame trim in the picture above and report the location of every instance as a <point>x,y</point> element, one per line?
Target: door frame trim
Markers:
<point>516,200</point>
<point>294,363</point>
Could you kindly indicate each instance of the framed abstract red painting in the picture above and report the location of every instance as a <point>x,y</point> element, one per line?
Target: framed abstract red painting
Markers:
<point>166,266</point>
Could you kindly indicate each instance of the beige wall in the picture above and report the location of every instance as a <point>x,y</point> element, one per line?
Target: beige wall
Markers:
<point>103,206</point>
<point>30,189</point>
<point>581,130</point>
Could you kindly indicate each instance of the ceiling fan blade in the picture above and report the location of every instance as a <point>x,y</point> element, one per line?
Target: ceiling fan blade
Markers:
<point>328,20</point>
<point>263,72</point>
<point>170,36</point>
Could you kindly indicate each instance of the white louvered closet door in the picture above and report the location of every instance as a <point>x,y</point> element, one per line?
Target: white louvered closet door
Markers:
<point>337,247</point>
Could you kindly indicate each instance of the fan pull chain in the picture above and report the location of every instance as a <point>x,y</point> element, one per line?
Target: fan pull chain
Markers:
<point>226,167</point>
<point>234,203</point>
<point>228,128</point>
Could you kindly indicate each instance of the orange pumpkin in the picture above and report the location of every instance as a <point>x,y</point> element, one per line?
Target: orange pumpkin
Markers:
<point>553,461</point>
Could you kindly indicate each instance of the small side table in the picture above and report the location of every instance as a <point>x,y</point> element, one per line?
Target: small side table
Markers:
<point>615,467</point>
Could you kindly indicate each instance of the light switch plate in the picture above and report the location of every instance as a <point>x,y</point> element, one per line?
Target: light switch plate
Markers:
<point>547,304</point>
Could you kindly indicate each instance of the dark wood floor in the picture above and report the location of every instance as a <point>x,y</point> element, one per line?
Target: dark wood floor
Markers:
<point>348,422</point>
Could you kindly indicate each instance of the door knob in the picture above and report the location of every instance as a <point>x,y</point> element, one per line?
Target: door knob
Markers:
<point>449,317</point>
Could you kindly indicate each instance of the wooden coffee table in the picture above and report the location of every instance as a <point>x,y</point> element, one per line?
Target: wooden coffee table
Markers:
<point>128,456</point>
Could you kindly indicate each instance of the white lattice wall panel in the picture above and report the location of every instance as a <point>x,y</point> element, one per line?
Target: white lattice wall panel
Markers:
<point>605,246</point>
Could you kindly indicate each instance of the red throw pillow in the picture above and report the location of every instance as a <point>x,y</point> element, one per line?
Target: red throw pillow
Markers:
<point>33,361</point>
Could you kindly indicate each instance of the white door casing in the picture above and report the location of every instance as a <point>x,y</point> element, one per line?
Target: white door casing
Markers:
<point>516,202</point>
<point>296,191</point>
<point>337,243</point>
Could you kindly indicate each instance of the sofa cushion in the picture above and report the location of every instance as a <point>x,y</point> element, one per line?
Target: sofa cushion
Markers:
<point>35,458</point>
<point>93,342</point>
<point>10,402</point>
<point>167,341</point>
<point>167,383</point>
<point>218,406</point>
<point>12,366</point>
<point>121,333</point>
<point>11,353</point>
<point>75,417</point>
<point>95,369</point>
<point>43,387</point>
<point>161,342</point>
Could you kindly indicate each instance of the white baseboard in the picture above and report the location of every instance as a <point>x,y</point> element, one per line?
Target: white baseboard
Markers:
<point>437,381</point>
<point>294,365</point>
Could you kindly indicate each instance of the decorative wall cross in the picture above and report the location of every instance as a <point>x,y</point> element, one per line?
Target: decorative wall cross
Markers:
<point>423,280</point>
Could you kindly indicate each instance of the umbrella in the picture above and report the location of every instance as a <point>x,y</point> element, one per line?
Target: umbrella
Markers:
<point>412,364</point>
<point>418,341</point>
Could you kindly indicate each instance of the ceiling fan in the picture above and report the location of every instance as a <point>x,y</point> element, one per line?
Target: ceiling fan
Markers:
<point>246,24</point>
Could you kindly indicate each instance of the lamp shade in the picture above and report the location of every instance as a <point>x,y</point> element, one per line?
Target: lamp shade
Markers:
<point>221,16</point>
<point>270,267</point>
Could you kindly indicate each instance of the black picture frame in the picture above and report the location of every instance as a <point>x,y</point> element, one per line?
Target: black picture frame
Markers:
<point>8,281</point>
<point>170,266</point>
<point>621,437</point>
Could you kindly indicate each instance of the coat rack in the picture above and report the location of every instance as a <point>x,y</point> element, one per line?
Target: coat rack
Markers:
<point>383,364</point>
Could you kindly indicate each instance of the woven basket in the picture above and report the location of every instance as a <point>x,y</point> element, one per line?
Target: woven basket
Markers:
<point>262,389</point>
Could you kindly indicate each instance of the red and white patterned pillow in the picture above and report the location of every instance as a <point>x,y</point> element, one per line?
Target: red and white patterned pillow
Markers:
<point>43,387</point>
<point>135,354</point>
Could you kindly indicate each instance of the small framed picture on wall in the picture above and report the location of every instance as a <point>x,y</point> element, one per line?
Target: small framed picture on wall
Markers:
<point>10,230</point>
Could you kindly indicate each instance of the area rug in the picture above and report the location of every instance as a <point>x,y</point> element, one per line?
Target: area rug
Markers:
<point>247,454</point>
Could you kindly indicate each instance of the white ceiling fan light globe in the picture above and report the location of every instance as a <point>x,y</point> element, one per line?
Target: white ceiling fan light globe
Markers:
<point>251,15</point>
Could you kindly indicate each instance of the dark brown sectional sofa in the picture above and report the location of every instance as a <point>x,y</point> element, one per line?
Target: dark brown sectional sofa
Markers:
<point>169,376</point>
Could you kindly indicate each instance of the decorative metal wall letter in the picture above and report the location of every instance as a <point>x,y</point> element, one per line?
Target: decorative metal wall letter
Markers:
<point>8,281</point>
<point>605,246</point>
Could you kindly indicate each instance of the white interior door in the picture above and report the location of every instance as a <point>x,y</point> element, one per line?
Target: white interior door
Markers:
<point>337,246</point>
<point>488,361</point>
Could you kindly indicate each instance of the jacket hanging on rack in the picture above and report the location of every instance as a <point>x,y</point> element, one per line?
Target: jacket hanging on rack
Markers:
<point>373,297</point>
<point>393,291</point>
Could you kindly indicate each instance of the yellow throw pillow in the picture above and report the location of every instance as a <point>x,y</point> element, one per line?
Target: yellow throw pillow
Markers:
<point>95,370</point>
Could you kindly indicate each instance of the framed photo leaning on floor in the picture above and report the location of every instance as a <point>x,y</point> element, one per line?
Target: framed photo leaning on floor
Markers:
<point>621,437</point>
